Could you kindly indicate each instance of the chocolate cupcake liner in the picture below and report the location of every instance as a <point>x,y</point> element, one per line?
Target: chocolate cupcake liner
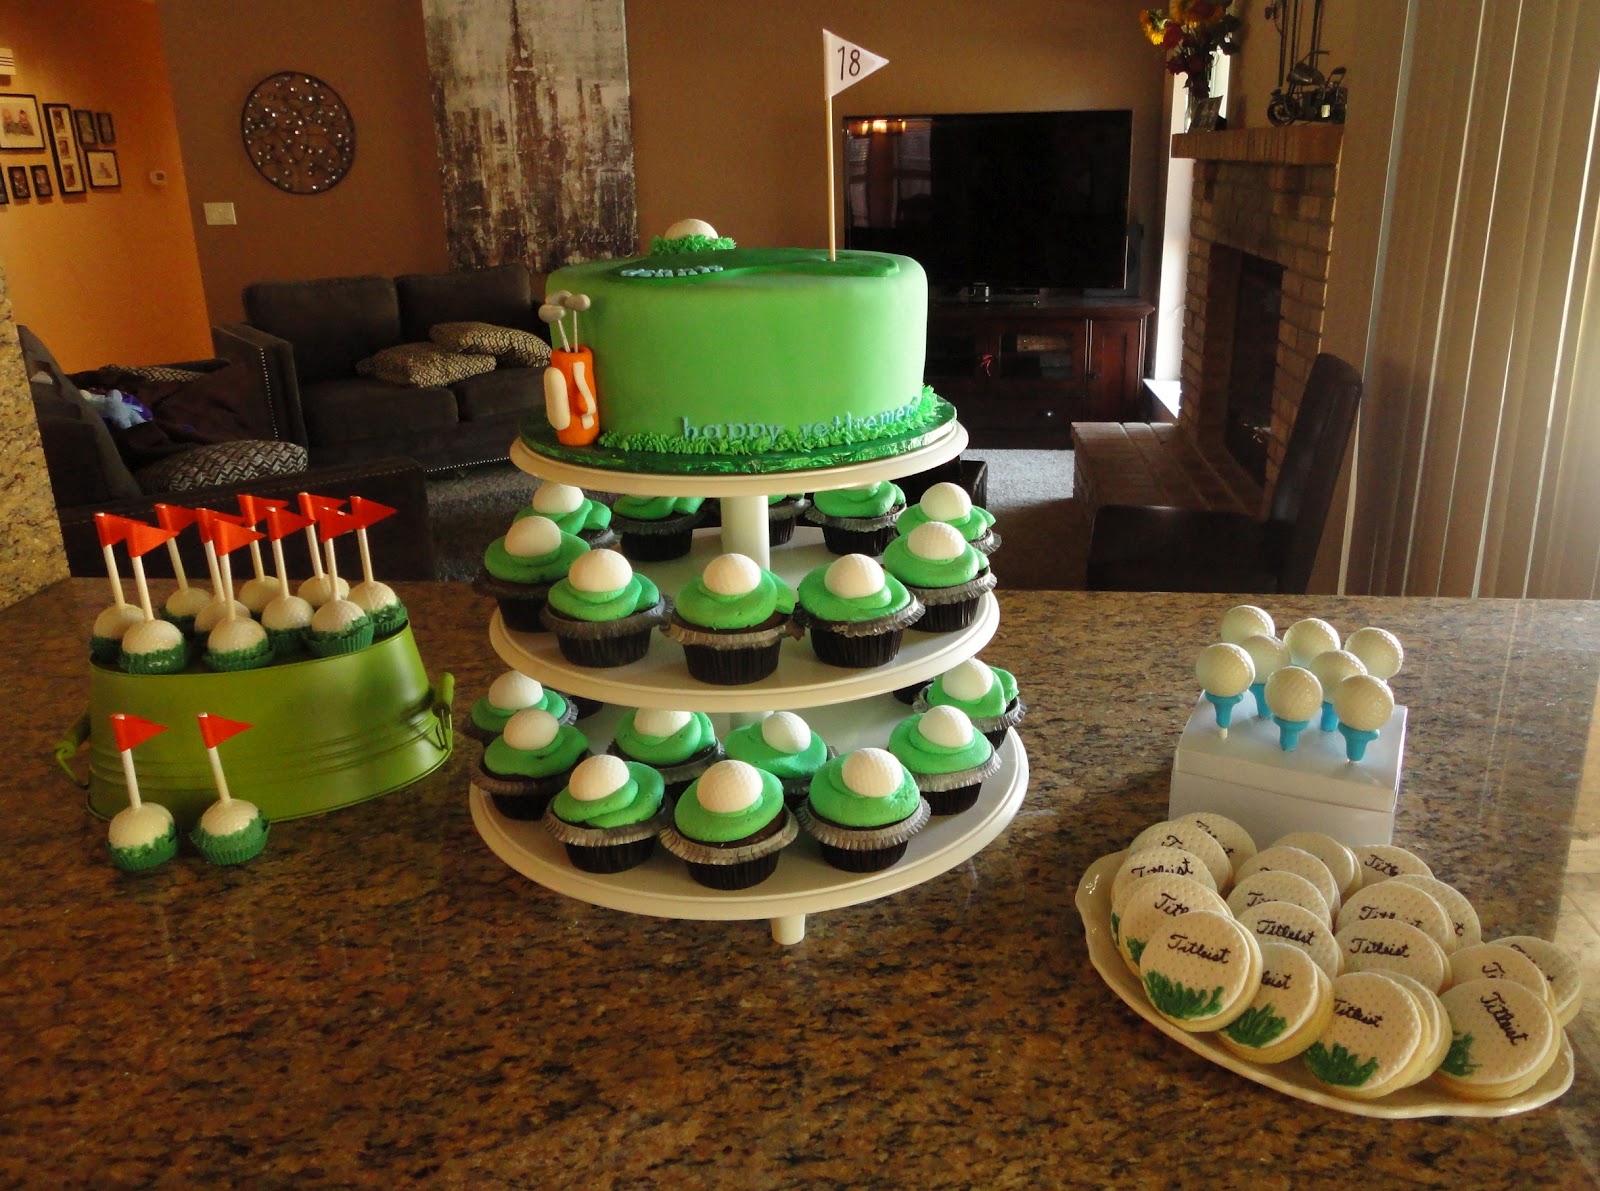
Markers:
<point>864,839</point>
<point>584,706</point>
<point>950,608</point>
<point>603,837</point>
<point>951,793</point>
<point>695,852</point>
<point>909,694</point>
<point>854,524</point>
<point>599,539</point>
<point>603,644</point>
<point>953,802</point>
<point>520,604</point>
<point>502,785</point>
<point>782,518</point>
<point>681,774</point>
<point>731,658</point>
<point>753,638</point>
<point>862,628</point>
<point>611,858</point>
<point>856,653</point>
<point>855,535</point>
<point>658,547</point>
<point>526,807</point>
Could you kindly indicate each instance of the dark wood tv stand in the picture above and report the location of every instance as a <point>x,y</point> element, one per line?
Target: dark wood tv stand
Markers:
<point>1020,373</point>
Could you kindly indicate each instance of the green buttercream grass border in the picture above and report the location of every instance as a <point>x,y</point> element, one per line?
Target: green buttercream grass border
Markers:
<point>661,455</point>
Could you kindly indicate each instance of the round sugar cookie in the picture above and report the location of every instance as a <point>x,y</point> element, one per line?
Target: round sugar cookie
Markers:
<point>1389,945</point>
<point>1201,971</point>
<point>1277,885</point>
<point>1373,1040</point>
<point>1292,1007</point>
<point>1160,860</point>
<point>1149,910</point>
<point>1464,922</point>
<point>1503,1040</point>
<point>1405,903</point>
<point>1168,892</point>
<point>1297,926</point>
<point>1561,971</point>
<point>1380,862</point>
<point>1495,961</point>
<point>1235,840</point>
<point>1297,861</point>
<point>1191,837</point>
<point>1341,861</point>
<point>1435,1024</point>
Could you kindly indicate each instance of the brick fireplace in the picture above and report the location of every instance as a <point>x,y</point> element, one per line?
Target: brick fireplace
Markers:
<point>1263,206</point>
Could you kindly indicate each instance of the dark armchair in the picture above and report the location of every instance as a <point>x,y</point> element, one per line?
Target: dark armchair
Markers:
<point>1158,548</point>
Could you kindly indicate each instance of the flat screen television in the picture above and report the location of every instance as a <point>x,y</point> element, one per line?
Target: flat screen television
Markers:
<point>1014,200</point>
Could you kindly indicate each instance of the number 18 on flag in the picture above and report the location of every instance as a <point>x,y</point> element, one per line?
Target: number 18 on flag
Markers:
<point>847,63</point>
<point>844,64</point>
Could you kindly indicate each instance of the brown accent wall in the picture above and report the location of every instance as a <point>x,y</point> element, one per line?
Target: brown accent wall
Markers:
<point>386,216</point>
<point>109,276</point>
<point>728,117</point>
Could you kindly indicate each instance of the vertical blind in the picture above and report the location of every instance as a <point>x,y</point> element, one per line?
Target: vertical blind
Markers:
<point>1478,472</point>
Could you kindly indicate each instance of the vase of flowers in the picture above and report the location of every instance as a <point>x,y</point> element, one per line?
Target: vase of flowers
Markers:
<point>1190,33</point>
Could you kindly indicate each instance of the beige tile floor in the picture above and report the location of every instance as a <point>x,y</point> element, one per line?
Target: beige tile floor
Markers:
<point>1578,925</point>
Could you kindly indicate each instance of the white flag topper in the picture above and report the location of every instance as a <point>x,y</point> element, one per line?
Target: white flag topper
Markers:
<point>847,63</point>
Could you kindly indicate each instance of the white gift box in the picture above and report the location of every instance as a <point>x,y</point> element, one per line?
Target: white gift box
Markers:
<point>1270,792</point>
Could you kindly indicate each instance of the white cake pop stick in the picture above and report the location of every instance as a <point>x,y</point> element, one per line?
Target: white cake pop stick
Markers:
<point>143,587</point>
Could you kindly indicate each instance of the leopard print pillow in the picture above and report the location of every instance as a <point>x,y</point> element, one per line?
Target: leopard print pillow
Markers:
<point>509,346</point>
<point>421,364</point>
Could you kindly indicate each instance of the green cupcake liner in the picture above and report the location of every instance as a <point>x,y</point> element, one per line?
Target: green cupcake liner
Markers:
<point>184,624</point>
<point>352,639</point>
<point>287,642</point>
<point>105,649</point>
<point>391,618</point>
<point>160,661</point>
<point>241,659</point>
<point>235,848</point>
<point>146,856</point>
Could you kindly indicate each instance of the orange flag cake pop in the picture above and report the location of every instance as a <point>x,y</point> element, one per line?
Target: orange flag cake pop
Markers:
<point>232,830</point>
<point>142,834</point>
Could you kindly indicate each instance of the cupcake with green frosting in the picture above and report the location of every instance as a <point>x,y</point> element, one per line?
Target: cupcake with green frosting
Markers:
<point>520,568</point>
<point>948,576</point>
<point>609,814</point>
<point>856,614</point>
<point>987,694</point>
<point>950,504</point>
<point>857,520</point>
<point>523,768</point>
<point>512,692</point>
<point>730,825</point>
<point>784,745</point>
<point>863,809</point>
<point>731,620</point>
<point>573,512</point>
<point>679,745</point>
<point>946,756</point>
<point>602,613</point>
<point>783,513</point>
<point>656,528</point>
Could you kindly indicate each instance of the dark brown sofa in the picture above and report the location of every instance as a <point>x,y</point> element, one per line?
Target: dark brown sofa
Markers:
<point>314,332</point>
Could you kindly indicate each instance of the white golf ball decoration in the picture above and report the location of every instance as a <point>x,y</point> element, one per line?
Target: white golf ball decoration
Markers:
<point>786,732</point>
<point>729,787</point>
<point>731,574</point>
<point>600,571</point>
<point>872,772</point>
<point>947,727</point>
<point>514,690</point>
<point>854,577</point>
<point>1363,704</point>
<point>531,729</point>
<point>553,499</point>
<point>598,777</point>
<point>1225,672</point>
<point>1305,639</point>
<point>533,537</point>
<point>936,541</point>
<point>969,681</point>
<point>1246,620</point>
<point>948,502</point>
<point>1294,696</point>
<point>1379,650</point>
<point>691,227</point>
<point>658,721</point>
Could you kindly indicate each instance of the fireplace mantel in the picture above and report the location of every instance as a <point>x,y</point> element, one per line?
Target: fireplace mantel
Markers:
<point>1294,144</point>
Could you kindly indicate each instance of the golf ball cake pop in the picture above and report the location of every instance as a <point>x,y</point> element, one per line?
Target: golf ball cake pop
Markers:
<point>184,604</point>
<point>238,644</point>
<point>232,830</point>
<point>1294,697</point>
<point>1379,651</point>
<point>1305,639</point>
<point>379,601</point>
<point>1246,620</point>
<point>142,837</point>
<point>154,647</point>
<point>1225,672</point>
<point>1268,655</point>
<point>1332,667</point>
<point>287,621</point>
<point>105,639</point>
<point>320,589</point>
<point>1363,704</point>
<point>339,626</point>
<point>258,591</point>
<point>214,613</point>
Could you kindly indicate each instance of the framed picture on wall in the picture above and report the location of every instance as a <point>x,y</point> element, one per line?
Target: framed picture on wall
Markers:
<point>106,130</point>
<point>19,182</point>
<point>5,196</point>
<point>101,167</point>
<point>64,146</point>
<point>20,126</point>
<point>41,182</point>
<point>85,122</point>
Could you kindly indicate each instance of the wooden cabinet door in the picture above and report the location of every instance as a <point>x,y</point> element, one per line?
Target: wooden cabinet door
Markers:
<point>1114,363</point>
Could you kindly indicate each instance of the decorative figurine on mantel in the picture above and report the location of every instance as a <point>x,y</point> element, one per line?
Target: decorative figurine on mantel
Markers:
<point>1303,93</point>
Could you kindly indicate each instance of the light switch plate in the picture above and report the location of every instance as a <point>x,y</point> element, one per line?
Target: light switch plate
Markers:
<point>220,213</point>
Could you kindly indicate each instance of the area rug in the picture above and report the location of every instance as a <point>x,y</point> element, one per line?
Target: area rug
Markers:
<point>1030,495</point>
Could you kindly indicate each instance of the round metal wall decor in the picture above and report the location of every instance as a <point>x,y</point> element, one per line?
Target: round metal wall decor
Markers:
<point>298,133</point>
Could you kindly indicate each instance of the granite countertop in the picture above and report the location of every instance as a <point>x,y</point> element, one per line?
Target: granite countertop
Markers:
<point>378,1000</point>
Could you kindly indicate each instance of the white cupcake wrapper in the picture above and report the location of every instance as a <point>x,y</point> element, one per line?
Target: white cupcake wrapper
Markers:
<point>935,597</point>
<point>599,630</point>
<point>750,639</point>
<point>865,839</point>
<point>864,628</point>
<point>938,783</point>
<point>695,852</point>
<point>604,837</point>
<point>685,771</point>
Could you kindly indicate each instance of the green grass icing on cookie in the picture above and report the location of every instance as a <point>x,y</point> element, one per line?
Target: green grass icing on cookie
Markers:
<point>1256,1027</point>
<point>1136,949</point>
<point>1459,1061</point>
<point>1116,929</point>
<point>1338,1066</point>
<point>1177,1000</point>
